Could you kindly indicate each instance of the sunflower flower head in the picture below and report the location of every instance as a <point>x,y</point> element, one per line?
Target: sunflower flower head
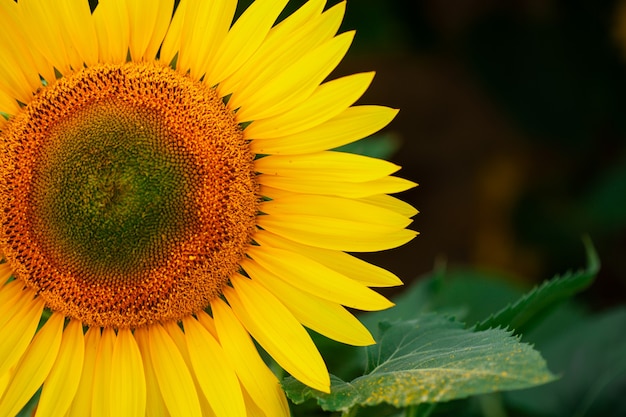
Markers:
<point>169,194</point>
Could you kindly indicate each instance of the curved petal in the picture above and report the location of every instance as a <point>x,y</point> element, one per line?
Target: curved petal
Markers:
<point>33,367</point>
<point>174,378</point>
<point>112,29</point>
<point>259,382</point>
<point>326,166</point>
<point>352,124</point>
<point>17,332</point>
<point>147,27</point>
<point>243,38</point>
<point>348,265</point>
<point>81,406</point>
<point>372,217</point>
<point>216,377</point>
<point>286,43</point>
<point>312,277</point>
<point>270,323</point>
<point>336,234</point>
<point>295,84</point>
<point>385,185</point>
<point>101,390</point>
<point>328,100</point>
<point>316,313</point>
<point>128,381</point>
<point>203,27</point>
<point>155,406</point>
<point>62,383</point>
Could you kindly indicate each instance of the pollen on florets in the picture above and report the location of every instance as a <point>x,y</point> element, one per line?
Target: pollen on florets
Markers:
<point>129,195</point>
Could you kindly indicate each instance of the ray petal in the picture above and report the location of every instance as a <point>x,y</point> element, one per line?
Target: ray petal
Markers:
<point>312,277</point>
<point>348,265</point>
<point>17,332</point>
<point>33,367</point>
<point>372,216</point>
<point>112,29</point>
<point>271,323</point>
<point>352,124</point>
<point>216,377</point>
<point>61,384</point>
<point>205,28</point>
<point>147,27</point>
<point>385,185</point>
<point>174,378</point>
<point>81,406</point>
<point>257,379</point>
<point>78,28</point>
<point>128,381</point>
<point>296,83</point>
<point>336,234</point>
<point>243,38</point>
<point>286,43</point>
<point>101,393</point>
<point>326,166</point>
<point>328,100</point>
<point>155,406</point>
<point>323,316</point>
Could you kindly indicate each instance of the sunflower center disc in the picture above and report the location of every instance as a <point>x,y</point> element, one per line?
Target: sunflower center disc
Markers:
<point>129,195</point>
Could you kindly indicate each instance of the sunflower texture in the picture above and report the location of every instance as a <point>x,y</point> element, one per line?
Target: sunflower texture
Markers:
<point>169,195</point>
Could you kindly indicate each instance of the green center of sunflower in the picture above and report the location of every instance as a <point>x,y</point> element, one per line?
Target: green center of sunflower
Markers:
<point>108,191</point>
<point>129,195</point>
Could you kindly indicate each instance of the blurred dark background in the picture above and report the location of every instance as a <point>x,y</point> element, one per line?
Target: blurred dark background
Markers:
<point>513,122</point>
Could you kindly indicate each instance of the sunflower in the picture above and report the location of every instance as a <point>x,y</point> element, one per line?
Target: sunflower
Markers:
<point>169,196</point>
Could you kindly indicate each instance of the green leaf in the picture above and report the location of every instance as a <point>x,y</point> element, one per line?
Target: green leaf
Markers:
<point>431,359</point>
<point>542,299</point>
<point>589,354</point>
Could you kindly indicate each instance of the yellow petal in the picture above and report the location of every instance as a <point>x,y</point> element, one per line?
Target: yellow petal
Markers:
<point>385,185</point>
<point>62,382</point>
<point>215,375</point>
<point>33,367</point>
<point>78,28</point>
<point>326,166</point>
<point>243,38</point>
<point>205,26</point>
<point>17,332</point>
<point>4,382</point>
<point>177,335</point>
<point>48,37</point>
<point>371,216</point>
<point>147,27</point>
<point>325,317</point>
<point>128,382</point>
<point>9,294</point>
<point>312,277</point>
<point>348,265</point>
<point>352,124</point>
<point>336,234</point>
<point>112,29</point>
<point>296,83</point>
<point>101,394</point>
<point>174,379</point>
<point>17,51</point>
<point>257,379</point>
<point>328,100</point>
<point>271,324</point>
<point>5,273</point>
<point>285,44</point>
<point>81,406</point>
<point>391,203</point>
<point>155,406</point>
